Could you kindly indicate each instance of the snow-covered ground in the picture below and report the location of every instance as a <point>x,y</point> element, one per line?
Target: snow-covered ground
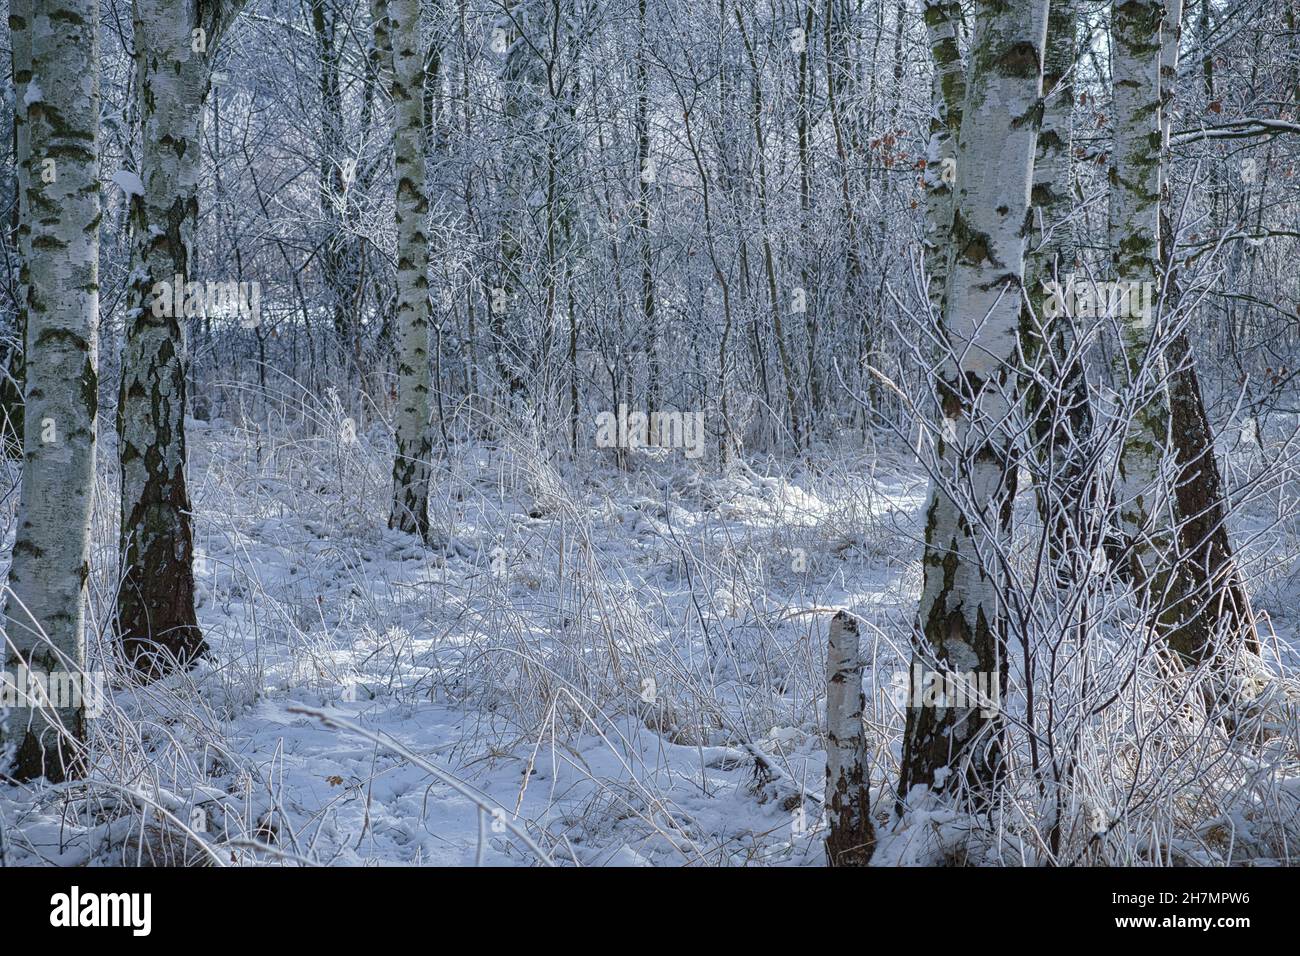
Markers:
<point>596,667</point>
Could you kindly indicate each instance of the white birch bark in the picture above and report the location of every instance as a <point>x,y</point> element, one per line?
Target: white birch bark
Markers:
<point>20,43</point>
<point>397,37</point>
<point>174,50</point>
<point>45,609</point>
<point>1056,391</point>
<point>851,837</point>
<point>961,624</point>
<point>1144,508</point>
<point>1052,249</point>
<point>1144,66</point>
<point>1171,33</point>
<point>948,91</point>
<point>1200,499</point>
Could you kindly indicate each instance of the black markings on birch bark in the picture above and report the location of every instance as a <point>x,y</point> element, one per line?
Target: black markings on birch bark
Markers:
<point>397,39</point>
<point>12,351</point>
<point>851,837</point>
<point>946,99</point>
<point>961,625</point>
<point>45,611</point>
<point>1061,415</point>
<point>156,618</point>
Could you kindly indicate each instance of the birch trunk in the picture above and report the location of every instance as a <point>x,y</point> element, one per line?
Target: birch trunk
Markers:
<point>1145,503</point>
<point>174,50</point>
<point>1199,494</point>
<point>947,93</point>
<point>11,388</point>
<point>1056,391</point>
<point>961,623</point>
<point>851,837</point>
<point>47,581</point>
<point>1144,513</point>
<point>397,36</point>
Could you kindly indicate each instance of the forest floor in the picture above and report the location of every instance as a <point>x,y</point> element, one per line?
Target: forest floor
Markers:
<point>625,665</point>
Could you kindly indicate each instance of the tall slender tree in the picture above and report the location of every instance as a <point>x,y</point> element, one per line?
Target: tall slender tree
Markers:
<point>11,351</point>
<point>174,51</point>
<point>341,251</point>
<point>518,36</point>
<point>45,609</point>
<point>1211,581</point>
<point>1144,515</point>
<point>1056,390</point>
<point>398,40</point>
<point>947,93</point>
<point>1148,513</point>
<point>961,623</point>
<point>645,177</point>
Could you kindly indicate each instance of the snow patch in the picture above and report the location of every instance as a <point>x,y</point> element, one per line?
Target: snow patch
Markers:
<point>128,182</point>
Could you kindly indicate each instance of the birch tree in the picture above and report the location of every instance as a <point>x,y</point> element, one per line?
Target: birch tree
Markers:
<point>1212,579</point>
<point>397,38</point>
<point>1146,508</point>
<point>961,624</point>
<point>948,91</point>
<point>11,362</point>
<point>1056,389</point>
<point>1144,515</point>
<point>45,608</point>
<point>851,837</point>
<point>174,50</point>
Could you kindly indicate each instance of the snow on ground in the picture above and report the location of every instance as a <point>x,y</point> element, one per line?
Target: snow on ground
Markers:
<point>624,667</point>
<point>603,658</point>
